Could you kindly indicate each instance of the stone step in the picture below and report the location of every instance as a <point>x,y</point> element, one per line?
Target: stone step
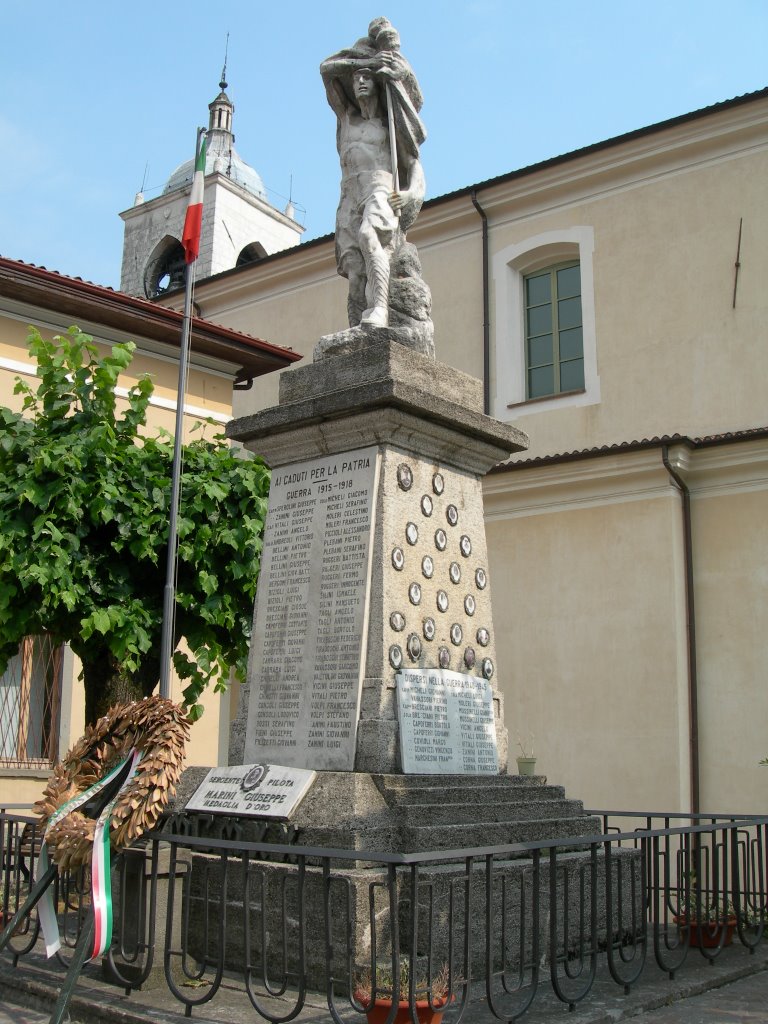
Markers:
<point>412,839</point>
<point>478,793</point>
<point>481,812</point>
<point>454,837</point>
<point>400,782</point>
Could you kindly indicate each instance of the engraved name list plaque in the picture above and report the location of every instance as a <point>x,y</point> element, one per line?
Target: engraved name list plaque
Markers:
<point>311,615</point>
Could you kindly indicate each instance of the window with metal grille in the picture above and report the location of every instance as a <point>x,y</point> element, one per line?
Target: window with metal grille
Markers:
<point>30,703</point>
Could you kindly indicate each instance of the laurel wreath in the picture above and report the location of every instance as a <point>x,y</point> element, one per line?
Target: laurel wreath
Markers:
<point>158,729</point>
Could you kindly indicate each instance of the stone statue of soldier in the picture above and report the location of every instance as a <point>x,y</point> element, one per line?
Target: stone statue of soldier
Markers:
<point>376,98</point>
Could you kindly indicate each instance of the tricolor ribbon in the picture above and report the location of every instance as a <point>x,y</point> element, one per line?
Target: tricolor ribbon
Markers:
<point>101,886</point>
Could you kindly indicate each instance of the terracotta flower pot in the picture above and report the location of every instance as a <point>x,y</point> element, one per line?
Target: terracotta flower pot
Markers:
<point>708,934</point>
<point>378,1012</point>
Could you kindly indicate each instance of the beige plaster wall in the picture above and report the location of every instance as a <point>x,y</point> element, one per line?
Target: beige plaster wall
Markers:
<point>673,354</point>
<point>590,620</point>
<point>454,272</point>
<point>731,555</point>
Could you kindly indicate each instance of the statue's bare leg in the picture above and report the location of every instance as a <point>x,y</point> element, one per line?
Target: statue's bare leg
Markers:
<point>377,272</point>
<point>356,301</point>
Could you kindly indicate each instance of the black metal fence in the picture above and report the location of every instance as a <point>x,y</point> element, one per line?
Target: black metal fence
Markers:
<point>511,922</point>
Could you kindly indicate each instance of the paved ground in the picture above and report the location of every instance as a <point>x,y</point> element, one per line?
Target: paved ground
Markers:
<point>741,1001</point>
<point>732,991</point>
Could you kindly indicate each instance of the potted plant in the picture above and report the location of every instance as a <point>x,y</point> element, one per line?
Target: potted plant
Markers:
<point>378,1004</point>
<point>526,765</point>
<point>710,922</point>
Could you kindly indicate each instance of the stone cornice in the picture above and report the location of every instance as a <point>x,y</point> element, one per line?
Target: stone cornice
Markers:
<point>725,469</point>
<point>377,393</point>
<point>613,479</point>
<point>633,475</point>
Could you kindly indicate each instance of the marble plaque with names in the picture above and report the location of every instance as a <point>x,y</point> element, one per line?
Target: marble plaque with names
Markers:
<point>252,790</point>
<point>311,617</point>
<point>446,723</point>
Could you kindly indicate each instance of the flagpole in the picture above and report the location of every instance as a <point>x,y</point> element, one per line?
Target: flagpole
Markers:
<point>169,591</point>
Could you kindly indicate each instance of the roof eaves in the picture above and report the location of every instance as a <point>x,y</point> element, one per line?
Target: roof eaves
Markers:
<point>620,447</point>
<point>53,283</point>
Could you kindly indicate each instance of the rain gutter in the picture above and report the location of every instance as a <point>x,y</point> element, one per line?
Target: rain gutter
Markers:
<point>690,625</point>
<point>486,310</point>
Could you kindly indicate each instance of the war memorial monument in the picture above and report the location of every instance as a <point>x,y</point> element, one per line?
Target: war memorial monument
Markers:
<point>371,718</point>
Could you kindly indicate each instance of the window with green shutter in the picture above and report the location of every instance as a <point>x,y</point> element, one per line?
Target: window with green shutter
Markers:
<point>554,346</point>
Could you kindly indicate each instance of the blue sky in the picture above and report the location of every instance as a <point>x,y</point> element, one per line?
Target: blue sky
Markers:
<point>93,92</point>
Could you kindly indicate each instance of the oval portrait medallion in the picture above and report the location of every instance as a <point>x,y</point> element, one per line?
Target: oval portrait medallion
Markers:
<point>414,647</point>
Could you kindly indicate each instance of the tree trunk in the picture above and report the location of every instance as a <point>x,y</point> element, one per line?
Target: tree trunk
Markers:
<point>106,684</point>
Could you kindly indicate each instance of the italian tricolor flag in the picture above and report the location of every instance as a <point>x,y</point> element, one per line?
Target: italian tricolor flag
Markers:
<point>193,222</point>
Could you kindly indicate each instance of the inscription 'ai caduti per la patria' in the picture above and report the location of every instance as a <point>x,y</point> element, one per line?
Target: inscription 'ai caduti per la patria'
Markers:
<point>311,613</point>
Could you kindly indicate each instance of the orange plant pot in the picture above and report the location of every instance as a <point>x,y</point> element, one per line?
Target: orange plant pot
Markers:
<point>378,1012</point>
<point>708,935</point>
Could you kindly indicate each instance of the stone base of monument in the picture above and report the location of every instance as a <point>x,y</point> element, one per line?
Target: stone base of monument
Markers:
<point>348,900</point>
<point>367,813</point>
<point>420,813</point>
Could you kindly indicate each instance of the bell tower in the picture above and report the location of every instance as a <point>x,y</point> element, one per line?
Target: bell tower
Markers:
<point>240,225</point>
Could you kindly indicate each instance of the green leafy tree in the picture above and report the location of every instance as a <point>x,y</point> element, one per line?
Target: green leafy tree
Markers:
<point>84,511</point>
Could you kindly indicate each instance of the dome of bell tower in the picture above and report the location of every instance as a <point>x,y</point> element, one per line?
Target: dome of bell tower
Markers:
<point>221,155</point>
